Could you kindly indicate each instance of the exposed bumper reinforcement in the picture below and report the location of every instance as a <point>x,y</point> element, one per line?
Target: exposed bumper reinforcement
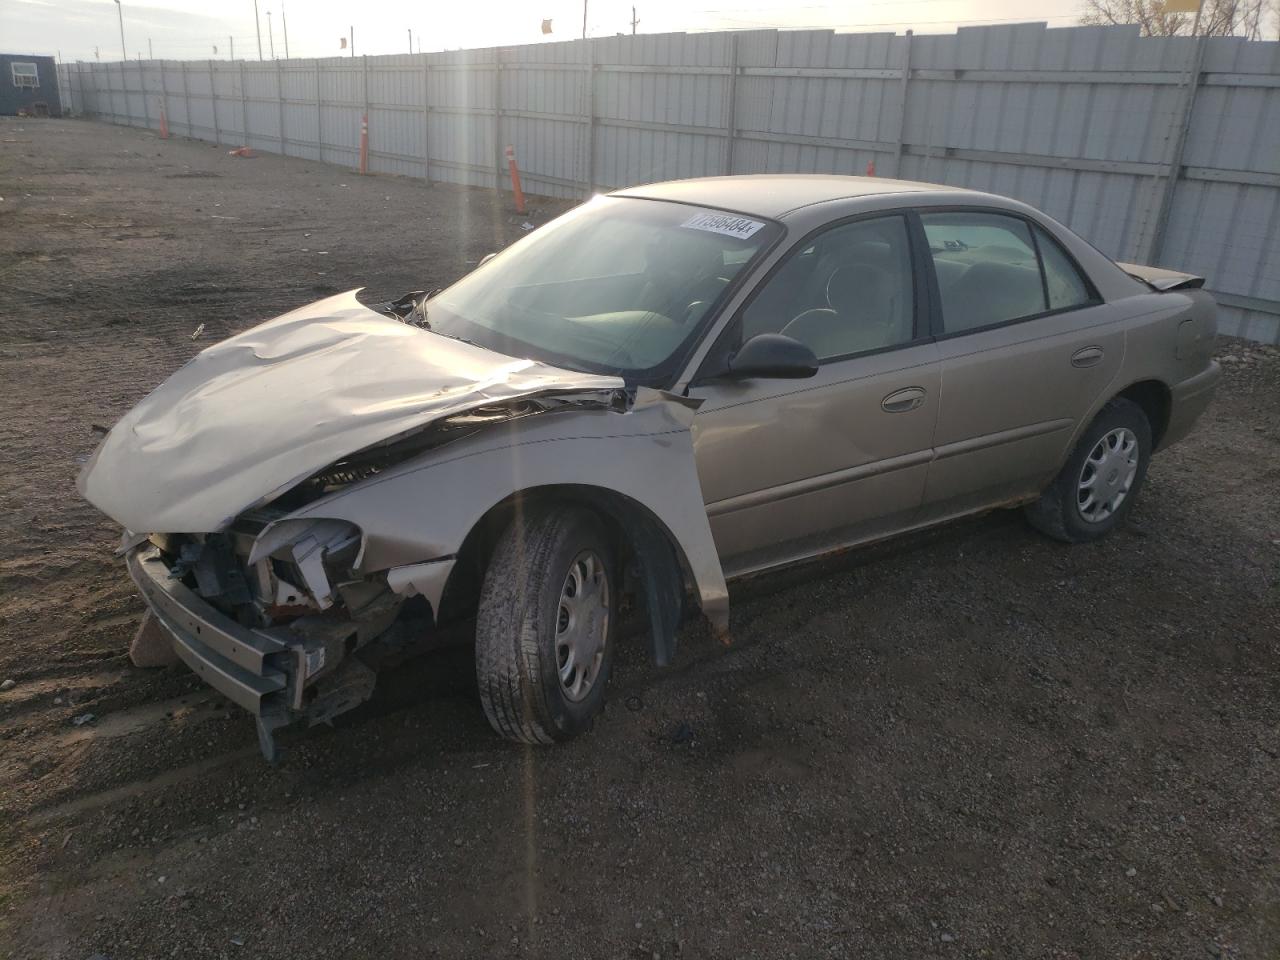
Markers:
<point>236,661</point>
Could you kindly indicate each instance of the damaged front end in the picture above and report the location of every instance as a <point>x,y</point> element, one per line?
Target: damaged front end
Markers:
<point>282,629</point>
<point>337,464</point>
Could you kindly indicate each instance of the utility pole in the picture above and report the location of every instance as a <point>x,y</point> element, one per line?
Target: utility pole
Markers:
<point>634,21</point>
<point>411,39</point>
<point>256,26</point>
<point>584,18</point>
<point>271,41</point>
<point>96,55</point>
<point>233,47</point>
<point>124,55</point>
<point>151,54</point>
<point>284,21</point>
<point>352,44</point>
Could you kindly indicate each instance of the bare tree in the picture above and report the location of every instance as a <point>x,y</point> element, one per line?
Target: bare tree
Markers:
<point>1218,18</point>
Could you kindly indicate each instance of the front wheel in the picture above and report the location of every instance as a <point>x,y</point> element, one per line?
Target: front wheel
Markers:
<point>1096,488</point>
<point>544,630</point>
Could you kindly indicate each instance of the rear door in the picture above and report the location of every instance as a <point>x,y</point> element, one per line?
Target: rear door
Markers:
<point>792,468</point>
<point>1025,345</point>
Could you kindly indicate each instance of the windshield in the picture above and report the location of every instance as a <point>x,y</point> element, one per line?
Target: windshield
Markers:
<point>618,286</point>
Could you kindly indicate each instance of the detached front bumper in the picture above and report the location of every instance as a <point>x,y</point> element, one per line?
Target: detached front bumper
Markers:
<point>249,667</point>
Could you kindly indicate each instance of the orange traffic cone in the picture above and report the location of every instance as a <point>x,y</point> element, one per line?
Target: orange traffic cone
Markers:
<point>871,168</point>
<point>364,143</point>
<point>515,178</point>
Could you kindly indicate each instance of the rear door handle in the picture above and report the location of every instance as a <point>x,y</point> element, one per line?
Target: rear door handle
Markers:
<point>1086,357</point>
<point>900,401</point>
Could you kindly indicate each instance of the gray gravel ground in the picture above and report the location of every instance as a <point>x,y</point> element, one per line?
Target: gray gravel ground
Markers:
<point>972,743</point>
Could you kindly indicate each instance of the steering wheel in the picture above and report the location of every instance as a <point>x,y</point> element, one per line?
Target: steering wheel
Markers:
<point>702,299</point>
<point>810,327</point>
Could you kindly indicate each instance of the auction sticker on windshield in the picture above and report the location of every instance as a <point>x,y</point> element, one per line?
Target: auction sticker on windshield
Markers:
<point>725,223</point>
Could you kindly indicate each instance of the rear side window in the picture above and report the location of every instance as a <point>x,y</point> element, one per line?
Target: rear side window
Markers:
<point>987,269</point>
<point>1066,287</point>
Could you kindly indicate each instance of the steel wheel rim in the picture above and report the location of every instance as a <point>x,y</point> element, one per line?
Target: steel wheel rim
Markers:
<point>582,625</point>
<point>1107,475</point>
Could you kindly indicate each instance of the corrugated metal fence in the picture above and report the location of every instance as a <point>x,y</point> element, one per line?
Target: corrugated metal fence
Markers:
<point>1157,150</point>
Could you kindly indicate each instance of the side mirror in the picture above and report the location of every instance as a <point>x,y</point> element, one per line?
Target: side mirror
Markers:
<point>773,355</point>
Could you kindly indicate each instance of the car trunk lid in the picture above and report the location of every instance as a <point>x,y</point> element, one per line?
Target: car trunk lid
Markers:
<point>1161,279</point>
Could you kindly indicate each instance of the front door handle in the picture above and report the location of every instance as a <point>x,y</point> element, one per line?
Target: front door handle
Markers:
<point>900,401</point>
<point>1086,357</point>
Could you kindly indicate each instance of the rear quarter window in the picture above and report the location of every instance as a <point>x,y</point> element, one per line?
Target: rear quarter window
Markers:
<point>1065,284</point>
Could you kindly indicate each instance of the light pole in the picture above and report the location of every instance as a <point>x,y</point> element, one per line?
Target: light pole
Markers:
<point>284,22</point>
<point>120,11</point>
<point>271,41</point>
<point>257,26</point>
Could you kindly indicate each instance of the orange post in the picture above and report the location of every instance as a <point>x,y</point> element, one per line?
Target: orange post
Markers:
<point>515,178</point>
<point>364,143</point>
<point>871,168</point>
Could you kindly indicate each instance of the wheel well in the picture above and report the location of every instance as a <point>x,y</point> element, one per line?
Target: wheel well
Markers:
<point>1155,400</point>
<point>636,533</point>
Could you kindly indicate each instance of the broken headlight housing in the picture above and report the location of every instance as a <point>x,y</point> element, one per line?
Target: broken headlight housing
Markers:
<point>309,556</point>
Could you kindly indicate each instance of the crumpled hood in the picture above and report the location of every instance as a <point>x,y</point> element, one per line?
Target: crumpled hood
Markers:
<point>253,416</point>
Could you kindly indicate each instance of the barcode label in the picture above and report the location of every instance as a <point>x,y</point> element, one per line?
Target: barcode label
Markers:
<point>725,223</point>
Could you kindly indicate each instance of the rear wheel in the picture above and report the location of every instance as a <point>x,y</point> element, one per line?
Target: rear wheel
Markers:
<point>544,629</point>
<point>1096,488</point>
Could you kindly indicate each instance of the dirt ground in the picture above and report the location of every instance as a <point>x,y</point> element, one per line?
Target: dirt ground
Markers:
<point>975,743</point>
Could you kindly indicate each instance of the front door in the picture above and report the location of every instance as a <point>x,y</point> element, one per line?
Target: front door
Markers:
<point>793,468</point>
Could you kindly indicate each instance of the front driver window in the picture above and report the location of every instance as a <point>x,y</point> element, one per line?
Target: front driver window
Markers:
<point>849,290</point>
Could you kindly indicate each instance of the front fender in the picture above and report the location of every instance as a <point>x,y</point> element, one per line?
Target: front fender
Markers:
<point>422,510</point>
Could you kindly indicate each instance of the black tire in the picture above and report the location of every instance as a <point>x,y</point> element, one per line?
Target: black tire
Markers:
<point>1057,513</point>
<point>516,626</point>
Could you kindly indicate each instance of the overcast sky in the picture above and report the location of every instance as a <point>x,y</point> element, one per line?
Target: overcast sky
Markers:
<point>190,29</point>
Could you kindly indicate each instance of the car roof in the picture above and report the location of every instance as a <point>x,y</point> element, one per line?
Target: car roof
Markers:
<point>773,195</point>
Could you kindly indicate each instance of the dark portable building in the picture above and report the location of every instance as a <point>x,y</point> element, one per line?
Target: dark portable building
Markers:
<point>29,85</point>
